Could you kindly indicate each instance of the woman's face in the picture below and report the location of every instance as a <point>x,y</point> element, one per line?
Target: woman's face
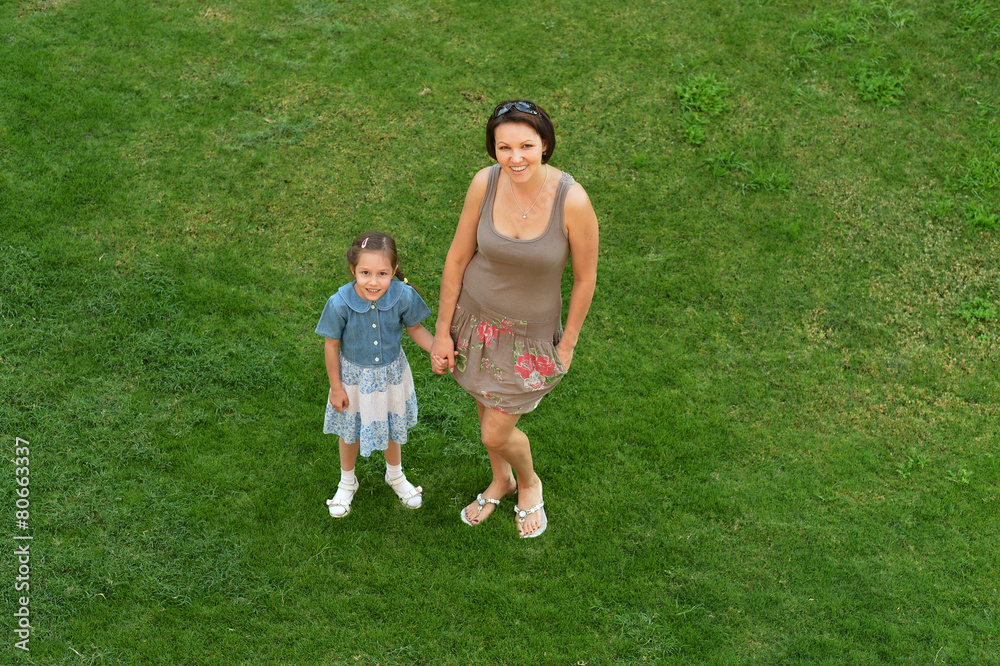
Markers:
<point>519,150</point>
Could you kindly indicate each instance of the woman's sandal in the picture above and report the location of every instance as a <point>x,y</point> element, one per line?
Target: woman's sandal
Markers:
<point>522,514</point>
<point>343,503</point>
<point>405,496</point>
<point>482,502</point>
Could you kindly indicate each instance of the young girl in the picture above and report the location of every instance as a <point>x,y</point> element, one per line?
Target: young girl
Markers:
<point>371,403</point>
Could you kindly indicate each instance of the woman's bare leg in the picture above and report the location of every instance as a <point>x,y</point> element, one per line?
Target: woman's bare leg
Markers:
<point>505,441</point>
<point>503,482</point>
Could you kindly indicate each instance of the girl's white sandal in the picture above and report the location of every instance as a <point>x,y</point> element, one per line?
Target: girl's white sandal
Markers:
<point>343,503</point>
<point>406,496</point>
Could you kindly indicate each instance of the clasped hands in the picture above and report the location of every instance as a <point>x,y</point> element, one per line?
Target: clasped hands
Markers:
<point>442,355</point>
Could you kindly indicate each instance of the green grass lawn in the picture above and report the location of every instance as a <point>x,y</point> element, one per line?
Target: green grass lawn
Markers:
<point>778,441</point>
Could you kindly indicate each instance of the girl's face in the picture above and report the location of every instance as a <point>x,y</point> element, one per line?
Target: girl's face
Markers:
<point>373,275</point>
<point>519,150</point>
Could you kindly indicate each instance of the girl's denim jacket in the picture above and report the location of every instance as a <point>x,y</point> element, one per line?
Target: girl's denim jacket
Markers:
<point>370,331</point>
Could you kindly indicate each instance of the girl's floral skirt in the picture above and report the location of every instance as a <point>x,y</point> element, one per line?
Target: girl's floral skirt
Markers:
<point>505,363</point>
<point>381,405</point>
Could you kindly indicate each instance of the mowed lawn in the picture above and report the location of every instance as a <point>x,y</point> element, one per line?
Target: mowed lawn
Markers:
<point>778,440</point>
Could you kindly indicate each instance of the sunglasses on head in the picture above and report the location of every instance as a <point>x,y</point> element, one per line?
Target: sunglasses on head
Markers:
<point>523,107</point>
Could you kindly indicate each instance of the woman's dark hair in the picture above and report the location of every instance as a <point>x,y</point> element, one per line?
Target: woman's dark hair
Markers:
<point>375,241</point>
<point>509,112</point>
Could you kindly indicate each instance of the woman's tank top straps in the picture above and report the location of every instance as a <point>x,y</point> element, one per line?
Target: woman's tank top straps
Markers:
<point>521,278</point>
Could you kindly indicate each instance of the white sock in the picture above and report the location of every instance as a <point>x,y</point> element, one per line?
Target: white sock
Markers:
<point>343,496</point>
<point>405,487</point>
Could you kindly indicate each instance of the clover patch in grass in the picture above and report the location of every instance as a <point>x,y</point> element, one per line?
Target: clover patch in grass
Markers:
<point>979,216</point>
<point>978,309</point>
<point>703,93</point>
<point>702,96</point>
<point>881,85</point>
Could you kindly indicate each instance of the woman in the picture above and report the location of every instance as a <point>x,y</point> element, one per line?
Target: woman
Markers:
<point>499,319</point>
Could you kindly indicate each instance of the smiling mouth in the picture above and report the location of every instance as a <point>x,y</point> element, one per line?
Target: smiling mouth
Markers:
<point>518,169</point>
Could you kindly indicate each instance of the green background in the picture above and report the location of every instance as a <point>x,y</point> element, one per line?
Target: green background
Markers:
<point>777,443</point>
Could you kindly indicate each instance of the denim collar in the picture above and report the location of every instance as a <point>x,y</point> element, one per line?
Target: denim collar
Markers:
<point>384,302</point>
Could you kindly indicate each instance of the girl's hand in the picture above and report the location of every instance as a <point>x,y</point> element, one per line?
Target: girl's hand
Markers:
<point>338,399</point>
<point>439,365</point>
<point>442,354</point>
<point>565,354</point>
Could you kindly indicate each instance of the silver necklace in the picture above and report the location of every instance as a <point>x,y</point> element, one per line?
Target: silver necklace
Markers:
<point>524,213</point>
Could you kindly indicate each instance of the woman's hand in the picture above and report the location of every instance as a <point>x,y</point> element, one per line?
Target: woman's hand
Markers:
<point>583,233</point>
<point>338,399</point>
<point>443,354</point>
<point>565,354</point>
